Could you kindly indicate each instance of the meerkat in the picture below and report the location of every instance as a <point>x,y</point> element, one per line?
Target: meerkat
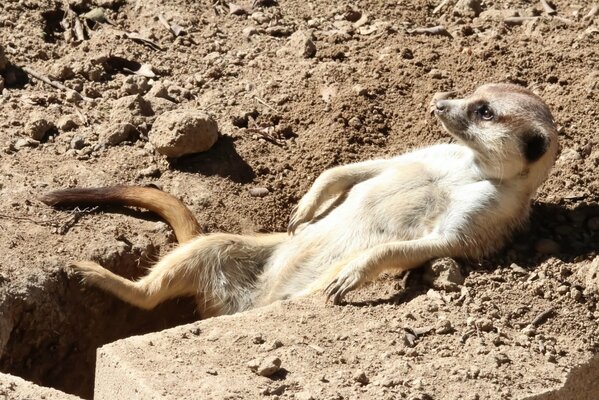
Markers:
<point>462,199</point>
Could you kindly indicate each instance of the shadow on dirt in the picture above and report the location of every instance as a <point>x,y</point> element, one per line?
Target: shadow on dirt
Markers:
<point>222,160</point>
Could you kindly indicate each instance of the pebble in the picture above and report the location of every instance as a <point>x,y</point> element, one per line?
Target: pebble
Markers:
<point>66,123</point>
<point>518,269</point>
<point>117,133</point>
<point>360,90</point>
<point>301,44</point>
<point>575,294</point>
<point>267,367</point>
<point>249,31</point>
<point>260,17</point>
<point>547,246</point>
<point>150,172</point>
<point>467,8</point>
<point>259,192</point>
<point>38,127</point>
<point>485,324</point>
<point>25,142</point>
<point>443,327</point>
<point>183,131</point>
<point>361,378</point>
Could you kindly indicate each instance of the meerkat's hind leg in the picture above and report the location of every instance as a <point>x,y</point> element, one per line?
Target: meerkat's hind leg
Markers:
<point>136,293</point>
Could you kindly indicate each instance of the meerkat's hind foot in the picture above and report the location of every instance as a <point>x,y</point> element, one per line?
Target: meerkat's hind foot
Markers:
<point>94,274</point>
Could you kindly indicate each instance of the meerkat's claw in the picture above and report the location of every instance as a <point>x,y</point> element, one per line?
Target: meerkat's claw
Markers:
<point>343,284</point>
<point>298,217</point>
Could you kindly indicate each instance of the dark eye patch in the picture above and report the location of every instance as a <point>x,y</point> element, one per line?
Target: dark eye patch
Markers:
<point>534,145</point>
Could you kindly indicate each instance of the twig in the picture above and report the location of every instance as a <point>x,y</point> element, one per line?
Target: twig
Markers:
<point>543,317</point>
<point>55,84</point>
<point>433,30</point>
<point>265,104</point>
<point>513,21</point>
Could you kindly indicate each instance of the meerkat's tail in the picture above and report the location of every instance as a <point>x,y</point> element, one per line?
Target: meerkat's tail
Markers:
<point>171,209</point>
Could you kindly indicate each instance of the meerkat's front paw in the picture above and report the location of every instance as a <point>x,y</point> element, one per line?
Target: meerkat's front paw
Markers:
<point>299,215</point>
<point>349,278</point>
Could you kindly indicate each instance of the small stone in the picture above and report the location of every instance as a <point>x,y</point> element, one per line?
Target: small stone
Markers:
<point>355,122</point>
<point>360,90</point>
<point>66,123</point>
<point>260,17</point>
<point>25,142</point>
<point>547,246</point>
<point>437,74</point>
<point>467,8</point>
<point>77,142</point>
<point>568,155</point>
<point>135,84</point>
<point>160,90</point>
<point>258,339</point>
<point>269,366</point>
<point>301,44</point>
<point>259,192</point>
<point>150,172</point>
<point>575,294</point>
<point>183,131</point>
<point>518,269</point>
<point>361,378</point>
<point>118,133</point>
<point>484,324</point>
<point>563,289</point>
<point>38,127</point>
<point>443,327</point>
<point>249,31</point>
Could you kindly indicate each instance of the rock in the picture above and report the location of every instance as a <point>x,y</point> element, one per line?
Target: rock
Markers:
<point>444,274</point>
<point>267,367</point>
<point>567,156</point>
<point>259,192</point>
<point>467,8</point>
<point>484,324</point>
<point>77,142</point>
<point>518,269</point>
<point>443,327</point>
<point>38,127</point>
<point>235,9</point>
<point>360,90</point>
<point>301,44</point>
<point>249,31</point>
<point>588,276</point>
<point>25,142</point>
<point>361,378</point>
<point>135,84</point>
<point>66,123</point>
<point>150,172</point>
<point>547,246</point>
<point>135,105</point>
<point>260,17</point>
<point>184,131</point>
<point>159,89</point>
<point>117,133</point>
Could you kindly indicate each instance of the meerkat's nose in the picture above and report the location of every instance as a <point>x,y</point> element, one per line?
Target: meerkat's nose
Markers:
<point>441,106</point>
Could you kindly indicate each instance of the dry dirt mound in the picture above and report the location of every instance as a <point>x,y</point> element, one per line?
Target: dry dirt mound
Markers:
<point>295,87</point>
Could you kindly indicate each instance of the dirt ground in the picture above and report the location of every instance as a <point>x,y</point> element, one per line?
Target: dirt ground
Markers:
<point>286,110</point>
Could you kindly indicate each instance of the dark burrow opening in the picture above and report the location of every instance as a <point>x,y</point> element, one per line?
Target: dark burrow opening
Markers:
<point>53,327</point>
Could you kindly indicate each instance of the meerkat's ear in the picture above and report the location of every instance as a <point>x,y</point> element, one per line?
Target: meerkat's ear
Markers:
<point>534,144</point>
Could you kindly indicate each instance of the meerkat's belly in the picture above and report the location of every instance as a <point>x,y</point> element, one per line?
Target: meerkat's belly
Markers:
<point>400,204</point>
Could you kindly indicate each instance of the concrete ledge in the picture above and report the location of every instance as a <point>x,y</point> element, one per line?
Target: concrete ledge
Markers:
<point>15,388</point>
<point>348,352</point>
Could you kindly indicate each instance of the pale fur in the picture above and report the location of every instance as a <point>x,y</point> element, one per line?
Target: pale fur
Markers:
<point>358,220</point>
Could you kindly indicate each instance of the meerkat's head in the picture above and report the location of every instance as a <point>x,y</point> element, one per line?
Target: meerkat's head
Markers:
<point>510,129</point>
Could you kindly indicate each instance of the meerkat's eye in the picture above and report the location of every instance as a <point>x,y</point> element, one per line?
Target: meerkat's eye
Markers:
<point>485,112</point>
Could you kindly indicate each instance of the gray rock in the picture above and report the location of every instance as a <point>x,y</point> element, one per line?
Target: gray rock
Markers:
<point>180,132</point>
<point>267,367</point>
<point>301,44</point>
<point>77,142</point>
<point>117,133</point>
<point>66,123</point>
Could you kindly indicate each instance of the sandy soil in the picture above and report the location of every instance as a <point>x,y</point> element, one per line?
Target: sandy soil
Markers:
<point>286,111</point>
